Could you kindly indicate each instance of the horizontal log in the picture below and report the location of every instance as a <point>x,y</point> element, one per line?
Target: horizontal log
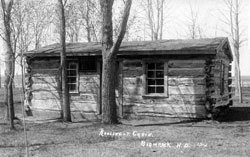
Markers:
<point>45,64</point>
<point>52,104</point>
<point>172,100</point>
<point>45,87</point>
<point>215,65</point>
<point>45,95</point>
<point>160,115</point>
<point>132,63</point>
<point>132,72</point>
<point>195,72</point>
<point>45,73</point>
<point>186,63</point>
<point>83,106</point>
<point>128,90</point>
<point>89,78</point>
<point>218,60</point>
<point>220,97</point>
<point>197,89</point>
<point>84,97</point>
<point>45,80</point>
<point>55,105</point>
<point>175,81</point>
<point>199,111</point>
<point>89,87</point>
<point>132,81</point>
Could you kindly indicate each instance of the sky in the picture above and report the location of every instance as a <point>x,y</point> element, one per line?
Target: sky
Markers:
<point>209,15</point>
<point>209,18</point>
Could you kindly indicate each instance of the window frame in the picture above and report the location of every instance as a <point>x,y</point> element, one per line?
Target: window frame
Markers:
<point>77,76</point>
<point>165,79</point>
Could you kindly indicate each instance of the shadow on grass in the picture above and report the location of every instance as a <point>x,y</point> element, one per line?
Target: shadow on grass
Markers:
<point>236,114</point>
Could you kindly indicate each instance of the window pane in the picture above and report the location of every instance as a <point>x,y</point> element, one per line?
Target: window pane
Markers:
<point>71,80</point>
<point>151,89</point>
<point>160,82</point>
<point>159,66</point>
<point>151,81</point>
<point>72,73</point>
<point>151,74</point>
<point>72,66</point>
<point>151,66</point>
<point>159,74</point>
<point>72,87</point>
<point>159,89</point>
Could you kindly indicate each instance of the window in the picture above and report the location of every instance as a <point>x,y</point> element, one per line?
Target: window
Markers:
<point>72,77</point>
<point>155,78</point>
<point>88,64</point>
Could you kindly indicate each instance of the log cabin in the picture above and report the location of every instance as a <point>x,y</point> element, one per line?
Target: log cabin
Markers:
<point>165,78</point>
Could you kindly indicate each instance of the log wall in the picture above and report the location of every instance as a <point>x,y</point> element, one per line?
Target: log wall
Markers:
<point>45,78</point>
<point>186,87</point>
<point>192,87</point>
<point>217,96</point>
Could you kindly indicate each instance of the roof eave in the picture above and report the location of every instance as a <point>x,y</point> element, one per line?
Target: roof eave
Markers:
<point>128,53</point>
<point>221,45</point>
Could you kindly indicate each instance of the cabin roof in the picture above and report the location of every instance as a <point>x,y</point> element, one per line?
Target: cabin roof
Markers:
<point>160,47</point>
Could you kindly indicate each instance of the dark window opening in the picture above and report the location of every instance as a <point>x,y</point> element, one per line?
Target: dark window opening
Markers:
<point>155,78</point>
<point>88,64</point>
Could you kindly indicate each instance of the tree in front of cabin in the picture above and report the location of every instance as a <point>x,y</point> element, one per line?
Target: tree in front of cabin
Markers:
<point>109,51</point>
<point>9,59</point>
<point>64,91</point>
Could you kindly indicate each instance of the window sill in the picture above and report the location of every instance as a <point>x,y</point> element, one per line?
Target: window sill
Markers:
<point>74,93</point>
<point>155,96</point>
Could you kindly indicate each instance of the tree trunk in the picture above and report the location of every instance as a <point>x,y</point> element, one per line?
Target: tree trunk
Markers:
<point>88,27</point>
<point>108,88</point>
<point>238,90</point>
<point>65,91</point>
<point>9,60</point>
<point>108,92</point>
<point>162,19</point>
<point>109,51</point>
<point>11,104</point>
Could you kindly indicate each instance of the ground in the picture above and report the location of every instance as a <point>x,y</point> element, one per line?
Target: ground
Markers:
<point>227,137</point>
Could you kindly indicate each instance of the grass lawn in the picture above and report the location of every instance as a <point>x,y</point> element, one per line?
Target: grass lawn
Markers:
<point>17,93</point>
<point>230,137</point>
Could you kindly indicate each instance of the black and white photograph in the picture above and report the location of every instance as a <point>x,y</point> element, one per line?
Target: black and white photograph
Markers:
<point>124,78</point>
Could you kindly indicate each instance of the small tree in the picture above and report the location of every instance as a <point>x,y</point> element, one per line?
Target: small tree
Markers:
<point>109,51</point>
<point>9,59</point>
<point>63,71</point>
